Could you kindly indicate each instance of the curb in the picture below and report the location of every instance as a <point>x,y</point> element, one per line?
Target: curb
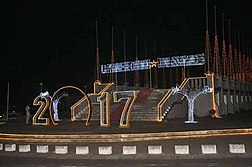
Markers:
<point>117,145</point>
<point>206,149</point>
<point>122,137</point>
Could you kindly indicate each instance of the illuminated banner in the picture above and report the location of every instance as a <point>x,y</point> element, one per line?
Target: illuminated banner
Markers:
<point>126,66</point>
<point>175,61</point>
<point>180,61</point>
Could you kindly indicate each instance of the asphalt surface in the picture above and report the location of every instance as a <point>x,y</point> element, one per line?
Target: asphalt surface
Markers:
<point>232,121</point>
<point>212,132</point>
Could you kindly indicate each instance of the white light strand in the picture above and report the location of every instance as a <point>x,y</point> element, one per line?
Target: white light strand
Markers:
<point>165,62</point>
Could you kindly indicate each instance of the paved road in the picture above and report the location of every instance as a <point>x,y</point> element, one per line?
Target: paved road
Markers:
<point>26,161</point>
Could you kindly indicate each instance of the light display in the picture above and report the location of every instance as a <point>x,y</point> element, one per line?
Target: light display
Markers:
<point>165,62</point>
<point>55,106</point>
<point>129,97</point>
<point>43,101</point>
<point>104,100</point>
<point>126,66</point>
<point>180,61</point>
<point>191,95</point>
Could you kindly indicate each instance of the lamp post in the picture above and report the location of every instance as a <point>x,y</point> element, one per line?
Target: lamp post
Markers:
<point>41,86</point>
<point>8,100</point>
<point>85,88</point>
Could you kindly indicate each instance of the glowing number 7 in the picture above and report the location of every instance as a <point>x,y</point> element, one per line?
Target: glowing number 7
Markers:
<point>130,97</point>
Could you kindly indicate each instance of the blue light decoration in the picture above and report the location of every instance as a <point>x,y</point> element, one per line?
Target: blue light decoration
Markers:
<point>165,62</point>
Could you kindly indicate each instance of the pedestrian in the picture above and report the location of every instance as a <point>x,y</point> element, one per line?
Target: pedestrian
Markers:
<point>27,114</point>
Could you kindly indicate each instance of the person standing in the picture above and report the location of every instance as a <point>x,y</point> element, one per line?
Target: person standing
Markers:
<point>27,114</point>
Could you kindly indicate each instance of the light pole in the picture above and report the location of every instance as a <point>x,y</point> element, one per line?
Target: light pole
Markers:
<point>8,100</point>
<point>85,88</point>
<point>41,86</point>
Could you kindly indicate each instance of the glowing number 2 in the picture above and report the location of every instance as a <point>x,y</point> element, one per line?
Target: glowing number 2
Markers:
<point>43,106</point>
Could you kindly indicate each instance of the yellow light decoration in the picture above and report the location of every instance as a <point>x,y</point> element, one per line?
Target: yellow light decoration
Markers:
<point>214,106</point>
<point>123,138</point>
<point>125,95</point>
<point>43,106</point>
<point>104,101</point>
<point>153,63</point>
<point>74,106</point>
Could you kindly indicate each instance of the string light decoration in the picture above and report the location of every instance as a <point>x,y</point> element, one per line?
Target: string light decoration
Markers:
<point>216,66</point>
<point>207,44</point>
<point>230,71</point>
<point>191,95</point>
<point>164,62</point>
<point>235,63</point>
<point>224,53</point>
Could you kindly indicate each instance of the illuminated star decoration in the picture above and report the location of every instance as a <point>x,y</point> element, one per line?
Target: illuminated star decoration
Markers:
<point>153,63</point>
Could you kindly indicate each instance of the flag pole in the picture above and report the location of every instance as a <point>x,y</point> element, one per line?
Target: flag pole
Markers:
<point>239,56</point>
<point>97,53</point>
<point>207,40</point>
<point>150,76</point>
<point>216,46</point>
<point>224,57</point>
<point>124,55</point>
<point>8,100</point>
<point>230,60</point>
<point>235,55</point>
<point>136,77</point>
<point>112,55</point>
<point>146,71</point>
<point>155,69</point>
<point>163,71</point>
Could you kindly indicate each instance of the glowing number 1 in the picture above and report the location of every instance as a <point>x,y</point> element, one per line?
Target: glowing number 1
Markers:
<point>37,118</point>
<point>130,97</point>
<point>104,115</point>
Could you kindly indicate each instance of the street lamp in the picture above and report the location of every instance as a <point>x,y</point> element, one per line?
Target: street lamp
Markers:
<point>41,86</point>
<point>85,88</point>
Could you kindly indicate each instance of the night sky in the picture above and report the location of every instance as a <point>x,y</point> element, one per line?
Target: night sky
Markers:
<point>54,42</point>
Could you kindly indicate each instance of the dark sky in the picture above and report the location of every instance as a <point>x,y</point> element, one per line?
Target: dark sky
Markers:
<point>54,41</point>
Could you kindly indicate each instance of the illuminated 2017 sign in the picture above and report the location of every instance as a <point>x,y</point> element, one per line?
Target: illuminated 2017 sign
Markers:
<point>175,61</point>
<point>103,97</point>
